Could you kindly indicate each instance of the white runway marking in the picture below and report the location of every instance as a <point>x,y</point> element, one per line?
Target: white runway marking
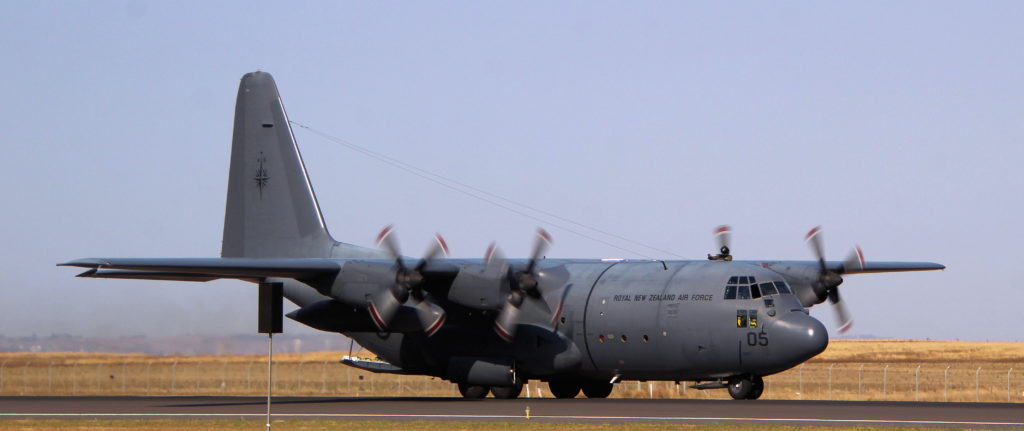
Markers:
<point>511,417</point>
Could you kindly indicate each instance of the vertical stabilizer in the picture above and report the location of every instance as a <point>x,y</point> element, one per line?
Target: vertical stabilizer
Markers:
<point>271,208</point>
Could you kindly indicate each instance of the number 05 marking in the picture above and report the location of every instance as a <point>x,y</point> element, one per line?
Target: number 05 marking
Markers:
<point>757,339</point>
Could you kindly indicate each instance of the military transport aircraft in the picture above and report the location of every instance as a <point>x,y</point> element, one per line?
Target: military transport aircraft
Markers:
<point>492,324</point>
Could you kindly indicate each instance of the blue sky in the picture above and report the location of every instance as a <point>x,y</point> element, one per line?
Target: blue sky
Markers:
<point>895,126</point>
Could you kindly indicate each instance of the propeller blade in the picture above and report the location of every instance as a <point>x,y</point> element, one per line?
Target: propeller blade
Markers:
<point>843,316</point>
<point>855,261</point>
<point>383,307</point>
<point>437,249</point>
<point>386,241</point>
<point>540,246</point>
<point>430,315</point>
<point>505,323</point>
<point>814,240</point>
<point>723,235</point>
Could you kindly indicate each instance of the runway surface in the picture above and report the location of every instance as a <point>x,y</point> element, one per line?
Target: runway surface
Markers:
<point>939,415</point>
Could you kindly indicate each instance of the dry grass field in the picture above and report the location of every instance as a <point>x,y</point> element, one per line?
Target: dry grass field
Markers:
<point>848,370</point>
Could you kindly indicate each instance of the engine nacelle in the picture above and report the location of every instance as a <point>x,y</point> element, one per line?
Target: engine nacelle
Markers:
<point>358,281</point>
<point>804,282</point>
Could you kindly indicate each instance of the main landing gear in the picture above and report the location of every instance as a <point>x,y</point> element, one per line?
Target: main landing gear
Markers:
<point>570,388</point>
<point>746,387</point>
<point>475,392</point>
<point>562,388</point>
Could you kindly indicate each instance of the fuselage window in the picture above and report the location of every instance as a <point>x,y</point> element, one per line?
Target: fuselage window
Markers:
<point>752,318</point>
<point>743,292</point>
<point>743,280</point>
<point>768,289</point>
<point>730,292</point>
<point>783,288</point>
<point>733,280</point>
<point>741,318</point>
<point>754,291</point>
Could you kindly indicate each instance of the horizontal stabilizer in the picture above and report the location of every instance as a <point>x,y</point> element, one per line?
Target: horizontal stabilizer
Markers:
<point>193,269</point>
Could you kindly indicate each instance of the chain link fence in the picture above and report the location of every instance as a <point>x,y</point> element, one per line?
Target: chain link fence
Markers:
<point>955,382</point>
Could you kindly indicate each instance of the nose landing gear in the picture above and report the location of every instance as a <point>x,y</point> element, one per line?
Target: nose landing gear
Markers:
<point>746,387</point>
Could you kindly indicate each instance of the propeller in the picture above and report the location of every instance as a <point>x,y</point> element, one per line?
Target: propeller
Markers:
<point>406,288</point>
<point>523,285</point>
<point>723,235</point>
<point>827,284</point>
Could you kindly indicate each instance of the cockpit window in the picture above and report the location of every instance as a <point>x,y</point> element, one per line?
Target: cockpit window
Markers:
<point>743,293</point>
<point>783,288</point>
<point>730,292</point>
<point>746,287</point>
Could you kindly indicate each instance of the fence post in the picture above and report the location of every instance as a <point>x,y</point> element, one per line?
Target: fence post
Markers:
<point>248,377</point>
<point>917,386</point>
<point>74,378</point>
<point>323,378</point>
<point>860,371</point>
<point>830,380</point>
<point>24,378</point>
<point>801,381</point>
<point>977,393</point>
<point>224,376</point>
<point>945,385</point>
<point>174,368</point>
<point>885,380</point>
<point>1008,384</point>
<point>300,376</point>
<point>2,373</point>
<point>124,376</point>
<point>650,389</point>
<point>148,365</point>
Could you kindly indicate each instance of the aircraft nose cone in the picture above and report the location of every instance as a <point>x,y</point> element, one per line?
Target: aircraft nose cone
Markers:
<point>801,335</point>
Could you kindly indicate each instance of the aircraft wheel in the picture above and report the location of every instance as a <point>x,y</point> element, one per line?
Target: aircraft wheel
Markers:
<point>756,388</point>
<point>473,392</point>
<point>507,392</point>
<point>564,388</point>
<point>740,388</point>
<point>597,388</point>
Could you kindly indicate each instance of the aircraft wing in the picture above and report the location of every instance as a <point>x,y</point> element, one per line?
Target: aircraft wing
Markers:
<point>888,267</point>
<point>868,267</point>
<point>204,269</point>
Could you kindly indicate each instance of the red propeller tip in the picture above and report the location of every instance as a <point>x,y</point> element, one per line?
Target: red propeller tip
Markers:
<point>543,234</point>
<point>860,255</point>
<point>384,233</point>
<point>722,229</point>
<point>441,242</point>
<point>489,253</point>
<point>812,233</point>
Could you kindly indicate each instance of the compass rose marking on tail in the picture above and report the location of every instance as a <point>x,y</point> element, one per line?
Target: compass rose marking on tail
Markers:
<point>261,174</point>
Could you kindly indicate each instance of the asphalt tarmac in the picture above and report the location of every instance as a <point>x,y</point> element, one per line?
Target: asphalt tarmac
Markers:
<point>580,410</point>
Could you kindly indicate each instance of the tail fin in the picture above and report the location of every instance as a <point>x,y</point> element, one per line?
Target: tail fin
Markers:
<point>271,208</point>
